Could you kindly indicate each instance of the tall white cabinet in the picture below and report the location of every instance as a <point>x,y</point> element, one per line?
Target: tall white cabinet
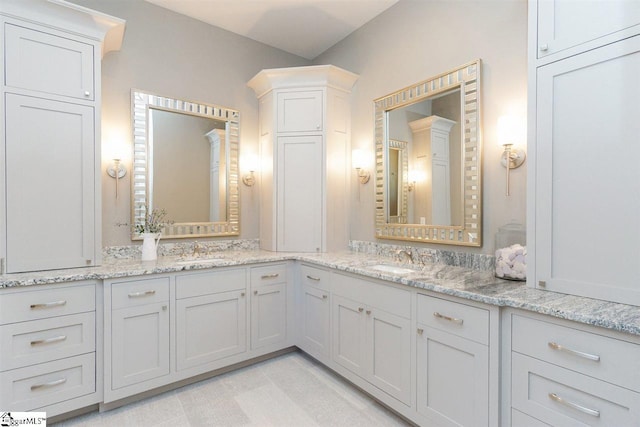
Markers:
<point>304,150</point>
<point>584,185</point>
<point>50,186</point>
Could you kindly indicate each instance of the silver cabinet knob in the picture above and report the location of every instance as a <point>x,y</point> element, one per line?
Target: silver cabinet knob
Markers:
<point>87,93</point>
<point>544,47</point>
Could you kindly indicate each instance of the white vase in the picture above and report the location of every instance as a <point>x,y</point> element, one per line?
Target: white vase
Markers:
<point>150,242</point>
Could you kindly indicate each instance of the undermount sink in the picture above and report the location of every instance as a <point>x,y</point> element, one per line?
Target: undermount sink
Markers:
<point>394,269</point>
<point>190,261</point>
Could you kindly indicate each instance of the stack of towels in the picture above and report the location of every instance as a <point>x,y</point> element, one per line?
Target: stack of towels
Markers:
<point>511,262</point>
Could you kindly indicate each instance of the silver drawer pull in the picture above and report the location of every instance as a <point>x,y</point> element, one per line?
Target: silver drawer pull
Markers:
<point>48,304</point>
<point>270,276</point>
<point>450,319</point>
<point>325,296</point>
<point>558,347</point>
<point>317,279</point>
<point>49,340</point>
<point>49,384</point>
<point>141,294</point>
<point>580,408</point>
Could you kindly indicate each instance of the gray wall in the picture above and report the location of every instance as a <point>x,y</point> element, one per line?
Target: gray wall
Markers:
<point>172,55</point>
<point>416,39</point>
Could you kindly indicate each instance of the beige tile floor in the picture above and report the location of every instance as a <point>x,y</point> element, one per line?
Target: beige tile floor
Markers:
<point>290,390</point>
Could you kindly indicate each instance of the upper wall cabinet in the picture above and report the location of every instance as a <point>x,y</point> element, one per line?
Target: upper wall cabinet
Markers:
<point>305,126</point>
<point>568,27</point>
<point>50,206</point>
<point>583,188</point>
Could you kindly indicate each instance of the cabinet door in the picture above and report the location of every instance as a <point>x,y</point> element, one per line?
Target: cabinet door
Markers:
<point>453,379</point>
<point>50,184</point>
<point>210,327</point>
<point>389,353</point>
<point>563,24</point>
<point>348,331</point>
<point>268,315</point>
<point>139,344</point>
<point>300,111</point>
<point>586,194</point>
<point>314,322</point>
<point>299,190</point>
<point>46,63</point>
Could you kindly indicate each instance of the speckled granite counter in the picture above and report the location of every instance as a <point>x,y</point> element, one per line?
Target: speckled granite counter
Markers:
<point>476,285</point>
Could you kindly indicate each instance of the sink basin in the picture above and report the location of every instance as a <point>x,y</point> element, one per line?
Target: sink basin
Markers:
<point>393,269</point>
<point>191,261</point>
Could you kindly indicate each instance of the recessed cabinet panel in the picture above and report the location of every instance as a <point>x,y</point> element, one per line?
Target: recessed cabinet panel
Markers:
<point>299,194</point>
<point>300,111</point>
<point>268,315</point>
<point>210,328</point>
<point>563,24</point>
<point>139,344</point>
<point>348,334</point>
<point>586,200</point>
<point>49,177</point>
<point>46,63</point>
<point>315,333</point>
<point>453,379</point>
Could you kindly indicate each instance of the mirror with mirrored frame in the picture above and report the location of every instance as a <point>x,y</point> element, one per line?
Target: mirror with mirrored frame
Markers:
<point>185,161</point>
<point>428,160</point>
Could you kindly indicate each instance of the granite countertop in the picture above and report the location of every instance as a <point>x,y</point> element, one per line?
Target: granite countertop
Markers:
<point>475,285</point>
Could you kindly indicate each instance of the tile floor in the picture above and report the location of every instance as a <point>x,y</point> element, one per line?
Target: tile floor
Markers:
<point>290,390</point>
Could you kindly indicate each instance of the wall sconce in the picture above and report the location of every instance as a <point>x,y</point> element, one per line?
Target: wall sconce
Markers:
<point>249,162</point>
<point>358,161</point>
<point>510,131</point>
<point>116,170</point>
<point>414,177</point>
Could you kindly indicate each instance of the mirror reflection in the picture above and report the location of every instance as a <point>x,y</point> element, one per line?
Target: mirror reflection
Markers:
<point>186,162</point>
<point>432,131</point>
<point>428,160</point>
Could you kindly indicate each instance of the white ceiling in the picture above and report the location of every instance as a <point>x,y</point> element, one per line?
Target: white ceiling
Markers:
<point>303,27</point>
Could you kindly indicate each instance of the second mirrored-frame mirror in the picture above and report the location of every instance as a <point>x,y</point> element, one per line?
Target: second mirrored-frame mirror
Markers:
<point>185,161</point>
<point>428,160</point>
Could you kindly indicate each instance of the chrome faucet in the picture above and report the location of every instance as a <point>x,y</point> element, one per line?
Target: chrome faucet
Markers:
<point>406,253</point>
<point>196,249</point>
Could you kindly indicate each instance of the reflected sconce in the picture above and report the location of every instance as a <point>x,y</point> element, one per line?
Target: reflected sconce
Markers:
<point>510,131</point>
<point>116,169</point>
<point>415,176</point>
<point>250,162</point>
<point>359,161</point>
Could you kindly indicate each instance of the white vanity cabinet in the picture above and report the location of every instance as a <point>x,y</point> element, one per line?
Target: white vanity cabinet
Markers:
<point>48,343</point>
<point>567,27</point>
<point>371,329</point>
<point>452,362</point>
<point>51,144</point>
<point>304,148</point>
<point>270,306</point>
<point>211,317</point>
<point>583,198</point>
<point>314,312</point>
<point>138,332</point>
<point>563,373</point>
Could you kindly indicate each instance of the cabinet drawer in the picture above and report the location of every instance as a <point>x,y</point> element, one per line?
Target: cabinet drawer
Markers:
<point>558,396</point>
<point>33,387</point>
<point>268,275</point>
<point>192,285</point>
<point>139,292</point>
<point>459,319</point>
<point>49,302</point>
<point>596,355</point>
<point>315,277</point>
<point>385,297</point>
<point>29,59</point>
<point>38,341</point>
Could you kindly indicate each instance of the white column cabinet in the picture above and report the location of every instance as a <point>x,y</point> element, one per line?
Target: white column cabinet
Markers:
<point>304,150</point>
<point>51,148</point>
<point>583,197</point>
